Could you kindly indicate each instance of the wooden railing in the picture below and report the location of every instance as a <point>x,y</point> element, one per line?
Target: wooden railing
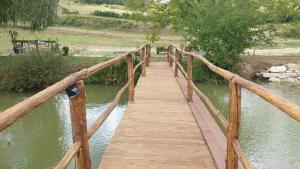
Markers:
<point>74,86</point>
<point>232,125</point>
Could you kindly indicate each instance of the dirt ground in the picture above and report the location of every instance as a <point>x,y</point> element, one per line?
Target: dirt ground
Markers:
<point>254,64</point>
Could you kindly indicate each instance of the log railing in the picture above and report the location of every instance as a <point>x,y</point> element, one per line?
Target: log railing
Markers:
<point>75,89</point>
<point>232,125</point>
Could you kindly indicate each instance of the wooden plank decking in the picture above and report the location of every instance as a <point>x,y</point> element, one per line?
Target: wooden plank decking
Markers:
<point>158,130</point>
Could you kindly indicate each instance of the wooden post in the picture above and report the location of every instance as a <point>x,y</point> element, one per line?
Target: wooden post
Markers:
<point>79,126</point>
<point>177,60</point>
<point>180,58</point>
<point>148,59</point>
<point>190,79</point>
<point>143,58</point>
<point>234,124</point>
<point>130,75</point>
<point>170,53</point>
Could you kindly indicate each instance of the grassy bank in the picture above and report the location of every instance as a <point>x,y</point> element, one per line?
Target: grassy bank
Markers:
<point>90,42</point>
<point>98,23</point>
<point>35,72</point>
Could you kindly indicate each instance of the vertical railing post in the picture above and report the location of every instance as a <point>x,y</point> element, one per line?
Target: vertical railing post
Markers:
<point>234,124</point>
<point>77,98</point>
<point>190,79</point>
<point>144,58</point>
<point>170,53</point>
<point>180,57</point>
<point>177,60</point>
<point>148,59</point>
<point>130,76</point>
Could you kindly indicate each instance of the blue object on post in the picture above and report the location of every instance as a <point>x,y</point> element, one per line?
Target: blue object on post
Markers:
<point>72,91</point>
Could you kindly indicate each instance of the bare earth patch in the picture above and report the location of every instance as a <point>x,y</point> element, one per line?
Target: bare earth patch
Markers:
<point>255,64</point>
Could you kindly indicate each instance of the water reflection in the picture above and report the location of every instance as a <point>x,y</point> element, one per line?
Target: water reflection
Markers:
<point>41,138</point>
<point>269,137</point>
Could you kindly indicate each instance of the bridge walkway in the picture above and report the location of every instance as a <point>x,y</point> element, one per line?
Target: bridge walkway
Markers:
<point>158,130</point>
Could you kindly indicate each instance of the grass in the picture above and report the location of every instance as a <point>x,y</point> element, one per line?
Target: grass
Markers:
<point>97,23</point>
<point>86,9</point>
<point>281,42</point>
<point>81,40</point>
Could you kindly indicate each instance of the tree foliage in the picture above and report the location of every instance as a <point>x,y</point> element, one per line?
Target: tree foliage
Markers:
<point>118,2</point>
<point>279,10</point>
<point>223,29</point>
<point>38,14</point>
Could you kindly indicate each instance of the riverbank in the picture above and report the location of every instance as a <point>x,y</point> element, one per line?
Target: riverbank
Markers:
<point>38,71</point>
<point>251,65</point>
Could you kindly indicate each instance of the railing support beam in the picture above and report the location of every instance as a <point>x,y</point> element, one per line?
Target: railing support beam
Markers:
<point>170,53</point>
<point>234,124</point>
<point>130,76</point>
<point>190,79</point>
<point>144,56</point>
<point>177,53</point>
<point>79,127</point>
<point>148,56</point>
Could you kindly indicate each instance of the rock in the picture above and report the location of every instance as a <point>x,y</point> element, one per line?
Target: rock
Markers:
<point>298,78</point>
<point>277,69</point>
<point>289,75</point>
<point>291,80</point>
<point>274,79</point>
<point>279,75</point>
<point>293,66</point>
<point>269,75</point>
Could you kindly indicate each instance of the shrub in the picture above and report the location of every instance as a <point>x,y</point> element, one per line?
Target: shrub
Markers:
<point>39,70</point>
<point>33,71</point>
<point>116,74</point>
<point>111,14</point>
<point>106,14</point>
<point>65,50</point>
<point>290,30</point>
<point>96,23</point>
<point>119,2</point>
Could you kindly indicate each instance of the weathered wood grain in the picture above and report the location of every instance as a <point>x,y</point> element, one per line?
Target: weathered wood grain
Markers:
<point>158,129</point>
<point>79,127</point>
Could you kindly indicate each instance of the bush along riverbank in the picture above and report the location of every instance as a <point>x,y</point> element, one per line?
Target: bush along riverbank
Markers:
<point>201,73</point>
<point>36,71</point>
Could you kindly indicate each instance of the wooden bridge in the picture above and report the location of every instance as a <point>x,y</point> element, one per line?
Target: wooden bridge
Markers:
<point>169,122</point>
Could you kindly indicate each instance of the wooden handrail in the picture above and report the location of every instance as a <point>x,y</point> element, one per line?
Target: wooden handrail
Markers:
<point>115,102</point>
<point>246,164</point>
<point>65,161</point>
<point>211,107</point>
<point>77,104</point>
<point>281,103</point>
<point>12,114</point>
<point>179,66</point>
<point>234,151</point>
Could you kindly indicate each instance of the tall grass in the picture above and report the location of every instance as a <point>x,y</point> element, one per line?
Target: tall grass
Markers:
<point>39,70</point>
<point>201,73</point>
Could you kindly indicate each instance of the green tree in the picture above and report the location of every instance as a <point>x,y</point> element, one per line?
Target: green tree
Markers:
<point>223,29</point>
<point>38,14</point>
<point>279,10</point>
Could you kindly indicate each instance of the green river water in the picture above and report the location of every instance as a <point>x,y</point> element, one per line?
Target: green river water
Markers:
<point>270,138</point>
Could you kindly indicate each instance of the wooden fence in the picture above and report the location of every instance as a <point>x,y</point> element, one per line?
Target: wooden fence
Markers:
<point>74,86</point>
<point>232,125</point>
